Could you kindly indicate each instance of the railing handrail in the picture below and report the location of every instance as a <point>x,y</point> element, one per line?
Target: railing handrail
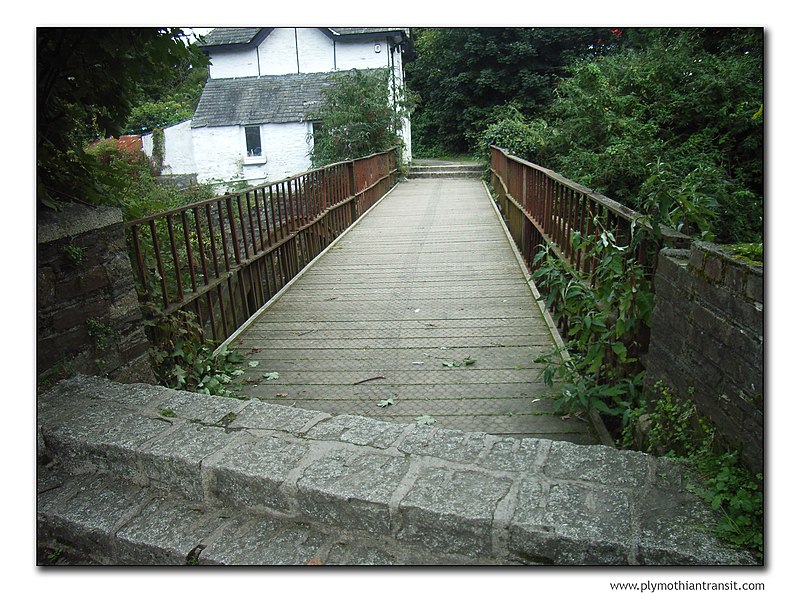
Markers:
<point>202,203</point>
<point>619,209</point>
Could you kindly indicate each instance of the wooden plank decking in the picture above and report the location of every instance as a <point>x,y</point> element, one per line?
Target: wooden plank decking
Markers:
<point>425,280</point>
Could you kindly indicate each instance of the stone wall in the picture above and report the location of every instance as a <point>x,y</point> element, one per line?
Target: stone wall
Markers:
<point>88,318</point>
<point>708,335</point>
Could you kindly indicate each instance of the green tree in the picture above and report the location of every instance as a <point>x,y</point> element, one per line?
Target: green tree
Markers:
<point>170,101</point>
<point>462,74</point>
<point>88,80</point>
<point>674,129</point>
<point>355,118</point>
<point>151,115</point>
<point>671,125</point>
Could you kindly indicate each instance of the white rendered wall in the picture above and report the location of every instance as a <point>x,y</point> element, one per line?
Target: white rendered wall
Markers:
<point>220,154</point>
<point>362,54</point>
<point>178,149</point>
<point>287,147</point>
<point>315,50</point>
<point>286,49</point>
<point>147,144</point>
<point>277,53</point>
<point>233,64</point>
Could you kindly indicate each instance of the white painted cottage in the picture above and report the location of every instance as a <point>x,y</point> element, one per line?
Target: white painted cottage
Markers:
<point>253,122</point>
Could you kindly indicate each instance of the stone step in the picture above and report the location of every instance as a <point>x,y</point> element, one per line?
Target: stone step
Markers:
<point>412,174</point>
<point>141,474</point>
<point>446,171</point>
<point>111,521</point>
<point>448,168</point>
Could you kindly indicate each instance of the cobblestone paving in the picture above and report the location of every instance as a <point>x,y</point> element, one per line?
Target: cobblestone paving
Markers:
<point>426,281</point>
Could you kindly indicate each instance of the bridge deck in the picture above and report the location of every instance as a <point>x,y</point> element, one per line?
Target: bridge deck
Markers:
<point>426,280</point>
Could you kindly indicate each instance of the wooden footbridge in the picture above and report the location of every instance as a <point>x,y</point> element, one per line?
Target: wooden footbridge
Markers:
<point>421,311</point>
<point>350,293</point>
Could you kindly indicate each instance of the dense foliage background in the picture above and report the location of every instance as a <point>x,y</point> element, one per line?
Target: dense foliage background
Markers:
<point>89,83</point>
<point>666,121</point>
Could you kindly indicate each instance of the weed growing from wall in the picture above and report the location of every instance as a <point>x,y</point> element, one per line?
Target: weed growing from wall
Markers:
<point>103,337</point>
<point>678,431</point>
<point>182,359</point>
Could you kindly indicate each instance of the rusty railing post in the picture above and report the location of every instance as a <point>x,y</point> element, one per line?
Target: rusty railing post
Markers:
<point>351,179</point>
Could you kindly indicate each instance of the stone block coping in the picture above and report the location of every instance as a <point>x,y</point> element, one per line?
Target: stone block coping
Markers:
<point>140,474</point>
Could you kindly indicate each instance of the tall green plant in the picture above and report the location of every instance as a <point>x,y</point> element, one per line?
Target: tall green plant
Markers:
<point>356,117</point>
<point>605,311</point>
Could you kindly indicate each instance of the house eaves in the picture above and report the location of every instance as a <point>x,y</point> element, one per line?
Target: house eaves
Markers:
<point>232,38</point>
<point>398,34</point>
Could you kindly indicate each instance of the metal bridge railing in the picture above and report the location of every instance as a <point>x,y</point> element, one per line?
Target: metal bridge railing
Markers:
<point>225,257</point>
<point>544,208</point>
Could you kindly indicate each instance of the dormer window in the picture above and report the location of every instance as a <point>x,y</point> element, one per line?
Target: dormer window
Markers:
<point>252,138</point>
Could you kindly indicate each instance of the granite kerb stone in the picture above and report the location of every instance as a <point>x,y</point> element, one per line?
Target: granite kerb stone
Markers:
<point>468,495</point>
<point>115,522</point>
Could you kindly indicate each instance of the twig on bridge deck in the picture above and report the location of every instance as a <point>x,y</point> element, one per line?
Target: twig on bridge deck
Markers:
<point>370,379</point>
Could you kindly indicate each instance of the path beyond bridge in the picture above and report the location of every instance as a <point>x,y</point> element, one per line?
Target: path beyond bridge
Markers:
<point>422,310</point>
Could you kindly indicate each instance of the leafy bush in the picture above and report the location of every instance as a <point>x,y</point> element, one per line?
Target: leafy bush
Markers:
<point>510,129</point>
<point>356,118</point>
<point>148,116</point>
<point>128,181</point>
<point>674,119</point>
<point>183,360</point>
<point>462,74</point>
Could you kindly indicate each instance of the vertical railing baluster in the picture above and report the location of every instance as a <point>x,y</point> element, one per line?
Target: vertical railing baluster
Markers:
<point>137,249</point>
<point>278,228</point>
<point>175,259</point>
<point>159,264</point>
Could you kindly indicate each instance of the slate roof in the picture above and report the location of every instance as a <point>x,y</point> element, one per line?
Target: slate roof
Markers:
<point>226,36</point>
<point>229,36</point>
<point>364,30</point>
<point>260,100</point>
